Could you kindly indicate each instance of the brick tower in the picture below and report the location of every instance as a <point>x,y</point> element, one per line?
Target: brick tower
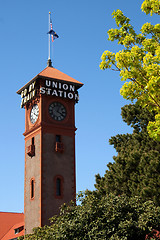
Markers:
<point>49,101</point>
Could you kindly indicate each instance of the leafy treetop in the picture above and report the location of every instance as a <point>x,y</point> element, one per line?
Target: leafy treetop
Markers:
<point>102,217</point>
<point>138,62</point>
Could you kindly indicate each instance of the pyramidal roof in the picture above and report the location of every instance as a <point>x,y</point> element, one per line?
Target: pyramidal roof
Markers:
<point>53,73</point>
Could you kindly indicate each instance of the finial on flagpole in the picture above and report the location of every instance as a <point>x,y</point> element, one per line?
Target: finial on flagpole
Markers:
<point>49,63</point>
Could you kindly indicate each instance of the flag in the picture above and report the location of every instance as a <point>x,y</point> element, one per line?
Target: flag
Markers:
<point>53,34</point>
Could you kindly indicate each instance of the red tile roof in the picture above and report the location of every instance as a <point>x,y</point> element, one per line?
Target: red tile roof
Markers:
<point>11,233</point>
<point>7,221</point>
<point>53,73</point>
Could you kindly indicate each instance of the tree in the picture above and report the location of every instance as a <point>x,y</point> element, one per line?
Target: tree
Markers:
<point>138,62</point>
<point>113,211</point>
<point>136,169</point>
<point>102,217</point>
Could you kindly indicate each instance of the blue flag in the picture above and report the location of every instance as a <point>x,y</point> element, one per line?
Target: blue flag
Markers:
<point>52,32</point>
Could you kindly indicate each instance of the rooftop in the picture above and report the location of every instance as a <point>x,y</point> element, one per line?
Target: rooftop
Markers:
<point>53,73</point>
<point>7,222</point>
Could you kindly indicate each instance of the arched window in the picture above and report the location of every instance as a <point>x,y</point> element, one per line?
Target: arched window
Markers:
<point>58,186</point>
<point>32,183</point>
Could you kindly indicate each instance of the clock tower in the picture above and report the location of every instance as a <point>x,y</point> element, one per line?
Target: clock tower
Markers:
<point>49,102</point>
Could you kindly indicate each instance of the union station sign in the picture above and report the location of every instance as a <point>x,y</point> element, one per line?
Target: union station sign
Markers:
<point>59,89</point>
<point>51,87</point>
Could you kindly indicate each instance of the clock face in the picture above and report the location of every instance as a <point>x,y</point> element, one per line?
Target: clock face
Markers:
<point>57,111</point>
<point>34,113</point>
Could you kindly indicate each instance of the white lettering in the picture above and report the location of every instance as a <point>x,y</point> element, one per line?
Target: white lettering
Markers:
<point>72,88</point>
<point>31,86</point>
<point>34,84</point>
<point>25,99</point>
<point>49,91</point>
<point>59,85</point>
<point>42,90</point>
<point>65,86</point>
<point>54,84</point>
<point>32,94</point>
<point>70,95</point>
<point>22,102</point>
<point>48,83</point>
<point>76,97</point>
<point>25,92</point>
<point>55,93</point>
<point>60,93</point>
<point>64,94</point>
<point>28,97</point>
<point>22,94</point>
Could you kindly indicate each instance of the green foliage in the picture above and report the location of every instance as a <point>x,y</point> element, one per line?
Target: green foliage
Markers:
<point>20,238</point>
<point>102,217</point>
<point>151,6</point>
<point>138,62</point>
<point>136,168</point>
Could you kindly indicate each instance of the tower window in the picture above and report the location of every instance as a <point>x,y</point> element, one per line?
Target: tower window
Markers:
<point>58,138</point>
<point>32,188</point>
<point>59,144</point>
<point>58,181</point>
<point>58,187</point>
<point>32,140</point>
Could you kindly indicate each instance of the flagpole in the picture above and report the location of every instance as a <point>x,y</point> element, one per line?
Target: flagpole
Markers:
<point>49,42</point>
<point>54,36</point>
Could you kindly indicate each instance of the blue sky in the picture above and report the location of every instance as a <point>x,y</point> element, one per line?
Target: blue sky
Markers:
<point>82,28</point>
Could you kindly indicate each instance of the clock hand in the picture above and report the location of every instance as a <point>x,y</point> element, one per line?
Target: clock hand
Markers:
<point>56,113</point>
<point>60,110</point>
